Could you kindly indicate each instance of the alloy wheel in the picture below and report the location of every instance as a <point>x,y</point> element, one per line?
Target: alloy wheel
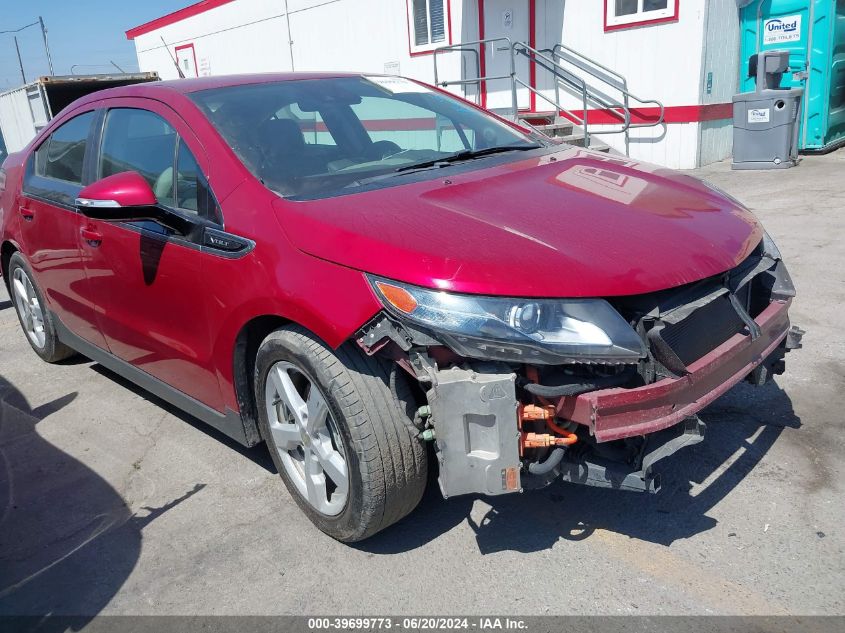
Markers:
<point>307,438</point>
<point>29,308</point>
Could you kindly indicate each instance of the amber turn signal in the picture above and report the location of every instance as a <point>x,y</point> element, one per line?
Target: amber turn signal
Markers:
<point>398,297</point>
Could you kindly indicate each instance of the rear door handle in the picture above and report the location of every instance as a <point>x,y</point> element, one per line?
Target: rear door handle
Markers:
<point>91,236</point>
<point>27,213</point>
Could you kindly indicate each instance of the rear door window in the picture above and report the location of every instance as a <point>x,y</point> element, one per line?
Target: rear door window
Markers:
<point>56,170</point>
<point>63,154</point>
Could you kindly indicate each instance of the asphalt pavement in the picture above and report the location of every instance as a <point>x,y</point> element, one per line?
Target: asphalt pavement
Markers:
<point>113,502</point>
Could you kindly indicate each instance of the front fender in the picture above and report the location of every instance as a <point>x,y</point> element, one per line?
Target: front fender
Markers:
<point>329,300</point>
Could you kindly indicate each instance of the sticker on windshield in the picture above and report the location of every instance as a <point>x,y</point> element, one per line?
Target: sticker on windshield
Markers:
<point>397,85</point>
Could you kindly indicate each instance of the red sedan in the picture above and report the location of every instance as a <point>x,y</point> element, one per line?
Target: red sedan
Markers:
<point>356,269</point>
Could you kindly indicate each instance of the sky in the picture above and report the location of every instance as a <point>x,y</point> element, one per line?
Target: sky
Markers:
<point>83,34</point>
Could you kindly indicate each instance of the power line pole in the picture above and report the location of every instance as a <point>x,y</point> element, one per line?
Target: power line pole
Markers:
<point>20,61</point>
<point>46,46</point>
<point>290,39</point>
<point>43,34</point>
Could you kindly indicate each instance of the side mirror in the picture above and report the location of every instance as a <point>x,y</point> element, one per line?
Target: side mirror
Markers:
<point>126,189</point>
<point>127,197</point>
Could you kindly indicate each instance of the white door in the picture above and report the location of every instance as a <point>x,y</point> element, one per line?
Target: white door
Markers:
<point>187,60</point>
<point>506,18</point>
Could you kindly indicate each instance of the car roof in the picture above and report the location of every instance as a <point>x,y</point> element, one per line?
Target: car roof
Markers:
<point>159,89</point>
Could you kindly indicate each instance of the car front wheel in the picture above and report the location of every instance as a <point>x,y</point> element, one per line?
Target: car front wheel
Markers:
<point>339,428</point>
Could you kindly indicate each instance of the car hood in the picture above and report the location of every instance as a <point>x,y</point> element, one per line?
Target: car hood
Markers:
<point>572,223</point>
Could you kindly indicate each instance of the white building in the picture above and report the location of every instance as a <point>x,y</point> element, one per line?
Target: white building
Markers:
<point>682,53</point>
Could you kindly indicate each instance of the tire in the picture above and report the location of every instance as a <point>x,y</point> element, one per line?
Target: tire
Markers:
<point>40,331</point>
<point>370,426</point>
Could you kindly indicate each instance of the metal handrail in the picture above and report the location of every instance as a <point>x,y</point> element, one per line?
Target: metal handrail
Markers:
<point>462,49</point>
<point>477,69</point>
<point>584,59</point>
<point>588,95</point>
<point>609,107</point>
<point>552,60</point>
<point>478,80</point>
<point>623,82</point>
<point>615,80</point>
<point>532,54</point>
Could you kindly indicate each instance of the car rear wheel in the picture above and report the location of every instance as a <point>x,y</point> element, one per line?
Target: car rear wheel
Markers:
<point>339,428</point>
<point>33,314</point>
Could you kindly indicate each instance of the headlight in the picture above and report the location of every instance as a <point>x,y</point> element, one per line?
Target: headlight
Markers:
<point>769,247</point>
<point>542,331</point>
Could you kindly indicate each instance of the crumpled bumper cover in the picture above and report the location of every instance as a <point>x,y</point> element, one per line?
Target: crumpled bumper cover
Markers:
<point>617,413</point>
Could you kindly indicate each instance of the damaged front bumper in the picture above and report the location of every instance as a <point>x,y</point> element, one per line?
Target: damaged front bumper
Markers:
<point>505,424</point>
<point>616,413</point>
<point>637,476</point>
<point>475,413</point>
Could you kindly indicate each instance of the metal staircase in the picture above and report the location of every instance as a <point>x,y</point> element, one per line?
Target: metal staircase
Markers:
<point>586,82</point>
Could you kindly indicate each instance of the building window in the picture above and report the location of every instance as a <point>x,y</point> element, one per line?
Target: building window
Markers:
<point>619,14</point>
<point>427,23</point>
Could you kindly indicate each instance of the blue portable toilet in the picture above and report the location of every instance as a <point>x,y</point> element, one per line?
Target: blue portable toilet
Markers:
<point>813,31</point>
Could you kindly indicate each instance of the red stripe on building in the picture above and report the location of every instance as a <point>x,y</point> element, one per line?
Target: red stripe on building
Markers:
<point>532,42</point>
<point>482,55</point>
<point>380,125</point>
<point>671,114</point>
<point>176,16</point>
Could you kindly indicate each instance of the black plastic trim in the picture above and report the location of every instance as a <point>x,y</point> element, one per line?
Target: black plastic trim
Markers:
<point>245,246</point>
<point>137,227</point>
<point>223,244</point>
<point>54,203</point>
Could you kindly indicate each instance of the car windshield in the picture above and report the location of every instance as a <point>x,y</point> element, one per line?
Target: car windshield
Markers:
<point>307,138</point>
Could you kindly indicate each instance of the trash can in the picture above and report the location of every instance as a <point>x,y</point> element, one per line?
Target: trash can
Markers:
<point>766,120</point>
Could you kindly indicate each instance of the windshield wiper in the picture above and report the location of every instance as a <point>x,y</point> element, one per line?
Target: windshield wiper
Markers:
<point>467,154</point>
<point>443,161</point>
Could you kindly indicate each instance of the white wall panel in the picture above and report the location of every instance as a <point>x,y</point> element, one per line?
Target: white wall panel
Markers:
<point>716,141</point>
<point>661,61</point>
<point>719,76</point>
<point>17,119</point>
<point>252,36</point>
<point>241,36</point>
<point>674,145</point>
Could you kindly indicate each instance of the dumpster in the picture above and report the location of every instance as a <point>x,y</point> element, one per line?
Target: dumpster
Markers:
<point>766,120</point>
<point>813,31</point>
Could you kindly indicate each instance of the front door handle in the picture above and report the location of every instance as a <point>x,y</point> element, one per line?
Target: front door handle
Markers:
<point>27,213</point>
<point>91,236</point>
